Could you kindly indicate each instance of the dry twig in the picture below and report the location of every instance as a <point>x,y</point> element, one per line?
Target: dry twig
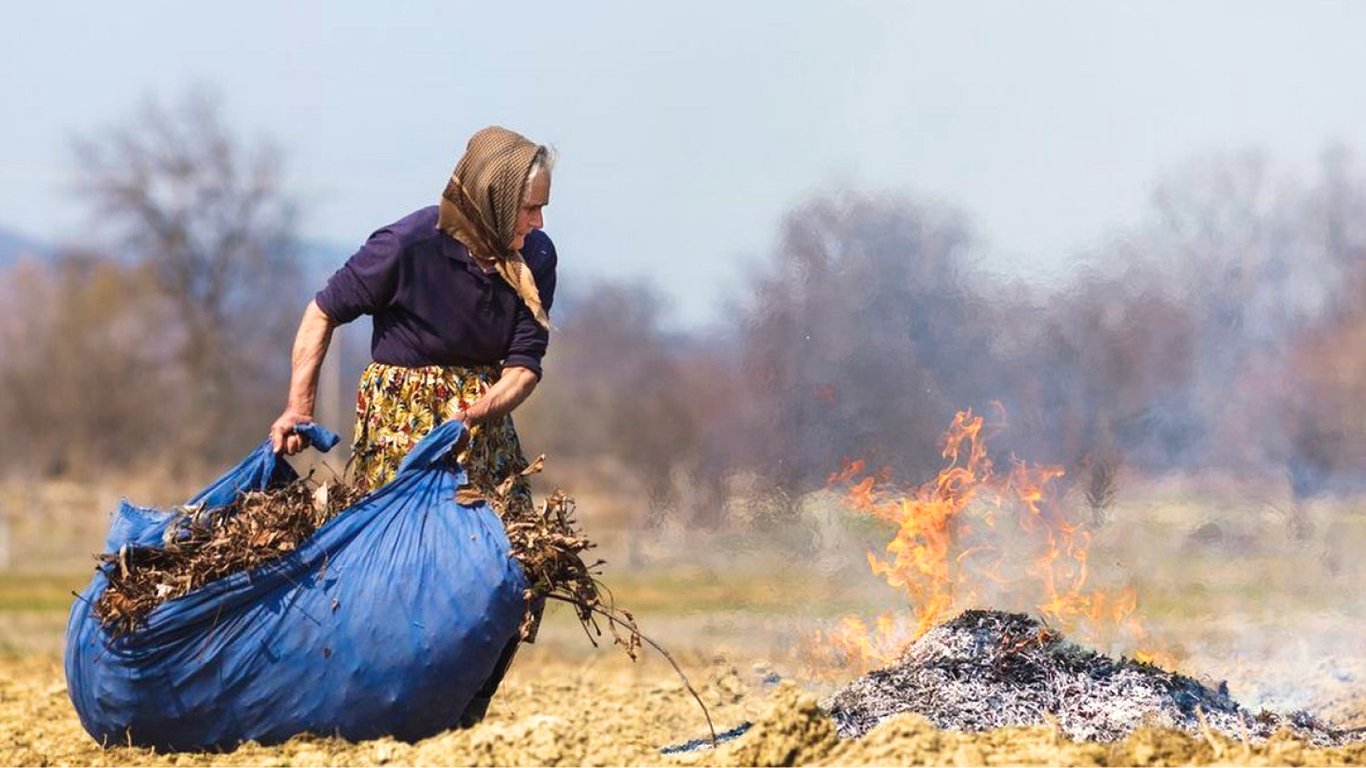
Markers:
<point>204,545</point>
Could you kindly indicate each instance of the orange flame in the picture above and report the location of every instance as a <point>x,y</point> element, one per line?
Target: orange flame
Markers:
<point>940,555</point>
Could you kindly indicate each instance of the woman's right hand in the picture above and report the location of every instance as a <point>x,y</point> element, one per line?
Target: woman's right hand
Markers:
<point>282,436</point>
<point>310,345</point>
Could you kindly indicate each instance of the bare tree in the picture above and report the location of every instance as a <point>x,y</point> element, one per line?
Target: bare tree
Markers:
<point>83,376</point>
<point>862,338</point>
<point>1106,372</point>
<point>1326,404</point>
<point>1259,257</point>
<point>175,189</point>
<point>621,388</point>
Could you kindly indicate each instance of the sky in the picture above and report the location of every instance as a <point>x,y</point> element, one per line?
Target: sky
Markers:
<point>686,131</point>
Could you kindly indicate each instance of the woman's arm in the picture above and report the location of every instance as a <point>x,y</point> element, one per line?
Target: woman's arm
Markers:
<point>310,346</point>
<point>513,387</point>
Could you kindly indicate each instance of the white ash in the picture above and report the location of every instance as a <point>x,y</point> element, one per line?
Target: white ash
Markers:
<point>989,669</point>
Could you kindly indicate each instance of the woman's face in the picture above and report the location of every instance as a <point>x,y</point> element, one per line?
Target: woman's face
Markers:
<point>529,215</point>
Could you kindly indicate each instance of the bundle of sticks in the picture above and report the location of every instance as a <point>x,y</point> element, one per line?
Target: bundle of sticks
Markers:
<point>259,527</point>
<point>549,545</point>
<point>204,545</point>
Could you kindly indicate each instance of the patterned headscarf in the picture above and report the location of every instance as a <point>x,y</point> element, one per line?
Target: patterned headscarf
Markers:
<point>479,207</point>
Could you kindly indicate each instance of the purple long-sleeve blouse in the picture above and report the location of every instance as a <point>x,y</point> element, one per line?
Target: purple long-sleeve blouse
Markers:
<point>434,305</point>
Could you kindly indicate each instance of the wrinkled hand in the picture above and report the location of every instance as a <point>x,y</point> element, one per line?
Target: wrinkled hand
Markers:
<point>464,441</point>
<point>282,436</point>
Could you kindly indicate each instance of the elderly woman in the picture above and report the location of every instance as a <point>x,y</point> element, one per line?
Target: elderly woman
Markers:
<point>459,293</point>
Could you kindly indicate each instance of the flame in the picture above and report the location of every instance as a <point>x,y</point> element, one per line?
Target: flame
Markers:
<point>947,547</point>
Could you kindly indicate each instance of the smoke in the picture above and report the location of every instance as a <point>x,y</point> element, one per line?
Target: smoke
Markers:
<point>1202,340</point>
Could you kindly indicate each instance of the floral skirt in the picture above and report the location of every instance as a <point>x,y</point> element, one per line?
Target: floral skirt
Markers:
<point>397,406</point>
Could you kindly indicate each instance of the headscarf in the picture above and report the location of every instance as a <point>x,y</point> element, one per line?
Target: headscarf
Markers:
<point>479,207</point>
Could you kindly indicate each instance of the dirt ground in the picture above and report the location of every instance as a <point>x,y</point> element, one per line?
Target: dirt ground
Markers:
<point>606,711</point>
<point>1224,594</point>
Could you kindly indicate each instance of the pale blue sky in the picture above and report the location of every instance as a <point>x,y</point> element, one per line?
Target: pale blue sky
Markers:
<point>686,130</point>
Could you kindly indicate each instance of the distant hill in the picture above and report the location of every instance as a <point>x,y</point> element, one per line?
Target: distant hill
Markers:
<point>15,246</point>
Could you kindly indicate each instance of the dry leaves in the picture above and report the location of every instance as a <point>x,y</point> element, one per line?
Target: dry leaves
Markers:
<point>204,545</point>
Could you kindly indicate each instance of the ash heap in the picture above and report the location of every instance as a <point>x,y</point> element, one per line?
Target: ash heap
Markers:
<point>989,669</point>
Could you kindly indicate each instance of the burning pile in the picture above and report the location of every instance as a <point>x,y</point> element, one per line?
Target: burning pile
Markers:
<point>987,669</point>
<point>973,532</point>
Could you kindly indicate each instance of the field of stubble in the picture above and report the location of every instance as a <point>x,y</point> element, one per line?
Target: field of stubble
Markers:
<point>1227,591</point>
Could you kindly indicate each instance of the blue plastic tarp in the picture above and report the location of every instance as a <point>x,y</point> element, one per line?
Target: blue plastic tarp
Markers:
<point>385,622</point>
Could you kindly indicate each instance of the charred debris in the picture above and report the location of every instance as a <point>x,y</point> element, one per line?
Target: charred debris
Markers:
<point>990,669</point>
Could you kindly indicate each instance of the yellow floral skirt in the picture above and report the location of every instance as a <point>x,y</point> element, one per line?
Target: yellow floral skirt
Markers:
<point>397,406</point>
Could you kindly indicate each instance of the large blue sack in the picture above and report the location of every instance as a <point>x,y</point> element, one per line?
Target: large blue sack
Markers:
<point>385,622</point>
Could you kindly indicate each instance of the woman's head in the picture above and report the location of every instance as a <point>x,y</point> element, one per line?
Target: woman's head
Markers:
<point>535,197</point>
<point>493,201</point>
<point>487,202</point>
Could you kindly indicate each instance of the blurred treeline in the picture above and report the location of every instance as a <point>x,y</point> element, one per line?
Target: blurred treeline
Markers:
<point>158,336</point>
<point>1225,331</point>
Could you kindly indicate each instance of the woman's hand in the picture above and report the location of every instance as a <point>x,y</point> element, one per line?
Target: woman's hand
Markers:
<point>310,345</point>
<point>512,388</point>
<point>282,436</point>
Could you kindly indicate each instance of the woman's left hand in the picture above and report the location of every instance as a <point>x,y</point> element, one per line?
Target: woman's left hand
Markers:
<point>513,387</point>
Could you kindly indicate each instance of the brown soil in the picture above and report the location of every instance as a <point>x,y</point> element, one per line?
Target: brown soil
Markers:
<point>607,711</point>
